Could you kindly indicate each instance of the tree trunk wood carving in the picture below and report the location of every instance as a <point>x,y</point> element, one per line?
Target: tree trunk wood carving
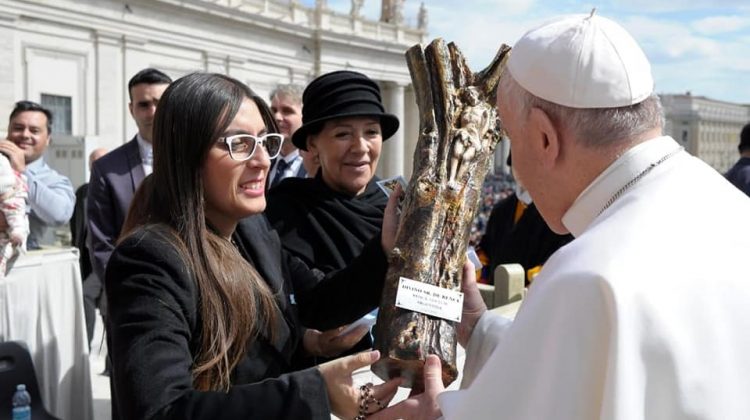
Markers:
<point>458,132</point>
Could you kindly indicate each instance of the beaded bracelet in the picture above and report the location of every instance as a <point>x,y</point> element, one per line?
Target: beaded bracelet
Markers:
<point>365,399</point>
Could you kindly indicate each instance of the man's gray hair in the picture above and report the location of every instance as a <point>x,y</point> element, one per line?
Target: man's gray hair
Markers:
<point>593,127</point>
<point>291,91</point>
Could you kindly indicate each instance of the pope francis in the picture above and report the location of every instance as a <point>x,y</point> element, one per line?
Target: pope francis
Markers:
<point>646,313</point>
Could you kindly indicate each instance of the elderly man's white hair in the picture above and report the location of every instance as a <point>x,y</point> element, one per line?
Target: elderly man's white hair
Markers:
<point>290,91</point>
<point>594,127</point>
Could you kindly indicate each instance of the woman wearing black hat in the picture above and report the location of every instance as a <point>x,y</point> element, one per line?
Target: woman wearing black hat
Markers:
<point>327,220</point>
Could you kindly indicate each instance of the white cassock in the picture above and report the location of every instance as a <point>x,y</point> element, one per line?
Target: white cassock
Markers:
<point>645,315</point>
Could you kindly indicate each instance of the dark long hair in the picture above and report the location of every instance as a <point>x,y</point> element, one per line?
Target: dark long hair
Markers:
<point>236,305</point>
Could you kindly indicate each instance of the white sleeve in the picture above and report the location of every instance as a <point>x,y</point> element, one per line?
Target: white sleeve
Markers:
<point>551,362</point>
<point>487,334</point>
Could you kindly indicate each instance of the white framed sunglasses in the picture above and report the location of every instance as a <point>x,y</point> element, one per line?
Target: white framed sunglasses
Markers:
<point>242,146</point>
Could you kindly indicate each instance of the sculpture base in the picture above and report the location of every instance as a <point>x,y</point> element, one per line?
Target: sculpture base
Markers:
<point>411,371</point>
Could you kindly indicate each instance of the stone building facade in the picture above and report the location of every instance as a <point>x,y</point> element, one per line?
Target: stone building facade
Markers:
<point>76,56</point>
<point>707,128</point>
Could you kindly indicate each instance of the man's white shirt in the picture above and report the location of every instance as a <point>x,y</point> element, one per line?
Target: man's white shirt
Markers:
<point>146,151</point>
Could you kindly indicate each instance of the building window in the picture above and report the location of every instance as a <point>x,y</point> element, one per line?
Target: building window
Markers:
<point>62,113</point>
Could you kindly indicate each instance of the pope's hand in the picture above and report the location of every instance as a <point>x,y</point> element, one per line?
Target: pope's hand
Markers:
<point>474,305</point>
<point>423,406</point>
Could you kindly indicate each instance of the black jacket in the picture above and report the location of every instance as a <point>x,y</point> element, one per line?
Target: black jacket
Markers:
<point>155,326</point>
<point>79,230</point>
<point>529,242</point>
<point>739,175</point>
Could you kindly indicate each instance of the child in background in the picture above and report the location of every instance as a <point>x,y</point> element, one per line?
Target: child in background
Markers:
<point>13,207</point>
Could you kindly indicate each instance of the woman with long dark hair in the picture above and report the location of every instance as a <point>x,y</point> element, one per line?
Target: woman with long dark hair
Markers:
<point>203,310</point>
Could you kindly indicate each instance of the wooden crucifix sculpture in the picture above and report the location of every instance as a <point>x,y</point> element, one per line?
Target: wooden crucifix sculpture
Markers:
<point>458,132</point>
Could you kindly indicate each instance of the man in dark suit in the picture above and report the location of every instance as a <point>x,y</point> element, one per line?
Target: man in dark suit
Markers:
<point>286,105</point>
<point>92,285</point>
<point>115,177</point>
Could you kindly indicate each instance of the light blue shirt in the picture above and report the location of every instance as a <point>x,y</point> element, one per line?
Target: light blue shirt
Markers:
<point>146,151</point>
<point>51,200</point>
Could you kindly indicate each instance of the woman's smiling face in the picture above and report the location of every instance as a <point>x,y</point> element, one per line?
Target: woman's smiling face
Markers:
<point>348,150</point>
<point>234,190</point>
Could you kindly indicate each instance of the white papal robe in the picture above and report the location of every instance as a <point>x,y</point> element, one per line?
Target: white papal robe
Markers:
<point>645,315</point>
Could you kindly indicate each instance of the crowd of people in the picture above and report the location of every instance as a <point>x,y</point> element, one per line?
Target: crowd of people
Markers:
<point>495,188</point>
<point>229,242</point>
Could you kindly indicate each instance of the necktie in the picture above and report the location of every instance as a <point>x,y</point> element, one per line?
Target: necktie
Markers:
<point>281,166</point>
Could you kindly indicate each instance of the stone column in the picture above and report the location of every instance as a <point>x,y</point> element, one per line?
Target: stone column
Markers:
<point>392,156</point>
<point>111,92</point>
<point>411,130</point>
<point>501,156</point>
<point>9,82</point>
<point>134,59</point>
<point>215,63</point>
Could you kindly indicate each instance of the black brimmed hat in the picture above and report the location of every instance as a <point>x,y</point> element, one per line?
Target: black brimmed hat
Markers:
<point>342,94</point>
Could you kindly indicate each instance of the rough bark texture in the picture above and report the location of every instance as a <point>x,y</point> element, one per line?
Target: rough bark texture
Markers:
<point>458,132</point>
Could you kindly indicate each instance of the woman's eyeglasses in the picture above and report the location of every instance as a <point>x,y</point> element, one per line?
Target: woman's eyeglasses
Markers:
<point>242,146</point>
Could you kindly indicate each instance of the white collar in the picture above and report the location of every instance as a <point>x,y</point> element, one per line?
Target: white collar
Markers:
<point>291,156</point>
<point>626,168</point>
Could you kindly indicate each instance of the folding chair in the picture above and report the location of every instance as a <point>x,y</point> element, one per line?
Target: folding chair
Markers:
<point>16,368</point>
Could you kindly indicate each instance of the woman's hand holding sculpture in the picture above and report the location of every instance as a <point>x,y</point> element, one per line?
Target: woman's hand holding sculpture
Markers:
<point>331,343</point>
<point>345,399</point>
<point>390,221</point>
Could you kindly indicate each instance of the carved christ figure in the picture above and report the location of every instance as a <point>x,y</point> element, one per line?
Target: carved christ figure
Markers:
<point>474,122</point>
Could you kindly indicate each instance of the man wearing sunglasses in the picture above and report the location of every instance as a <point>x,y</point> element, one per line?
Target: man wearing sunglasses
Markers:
<point>116,176</point>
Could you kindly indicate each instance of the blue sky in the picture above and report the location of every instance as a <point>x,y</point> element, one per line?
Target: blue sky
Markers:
<point>702,46</point>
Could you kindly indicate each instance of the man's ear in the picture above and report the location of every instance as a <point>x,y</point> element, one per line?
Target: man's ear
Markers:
<point>130,107</point>
<point>545,135</point>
